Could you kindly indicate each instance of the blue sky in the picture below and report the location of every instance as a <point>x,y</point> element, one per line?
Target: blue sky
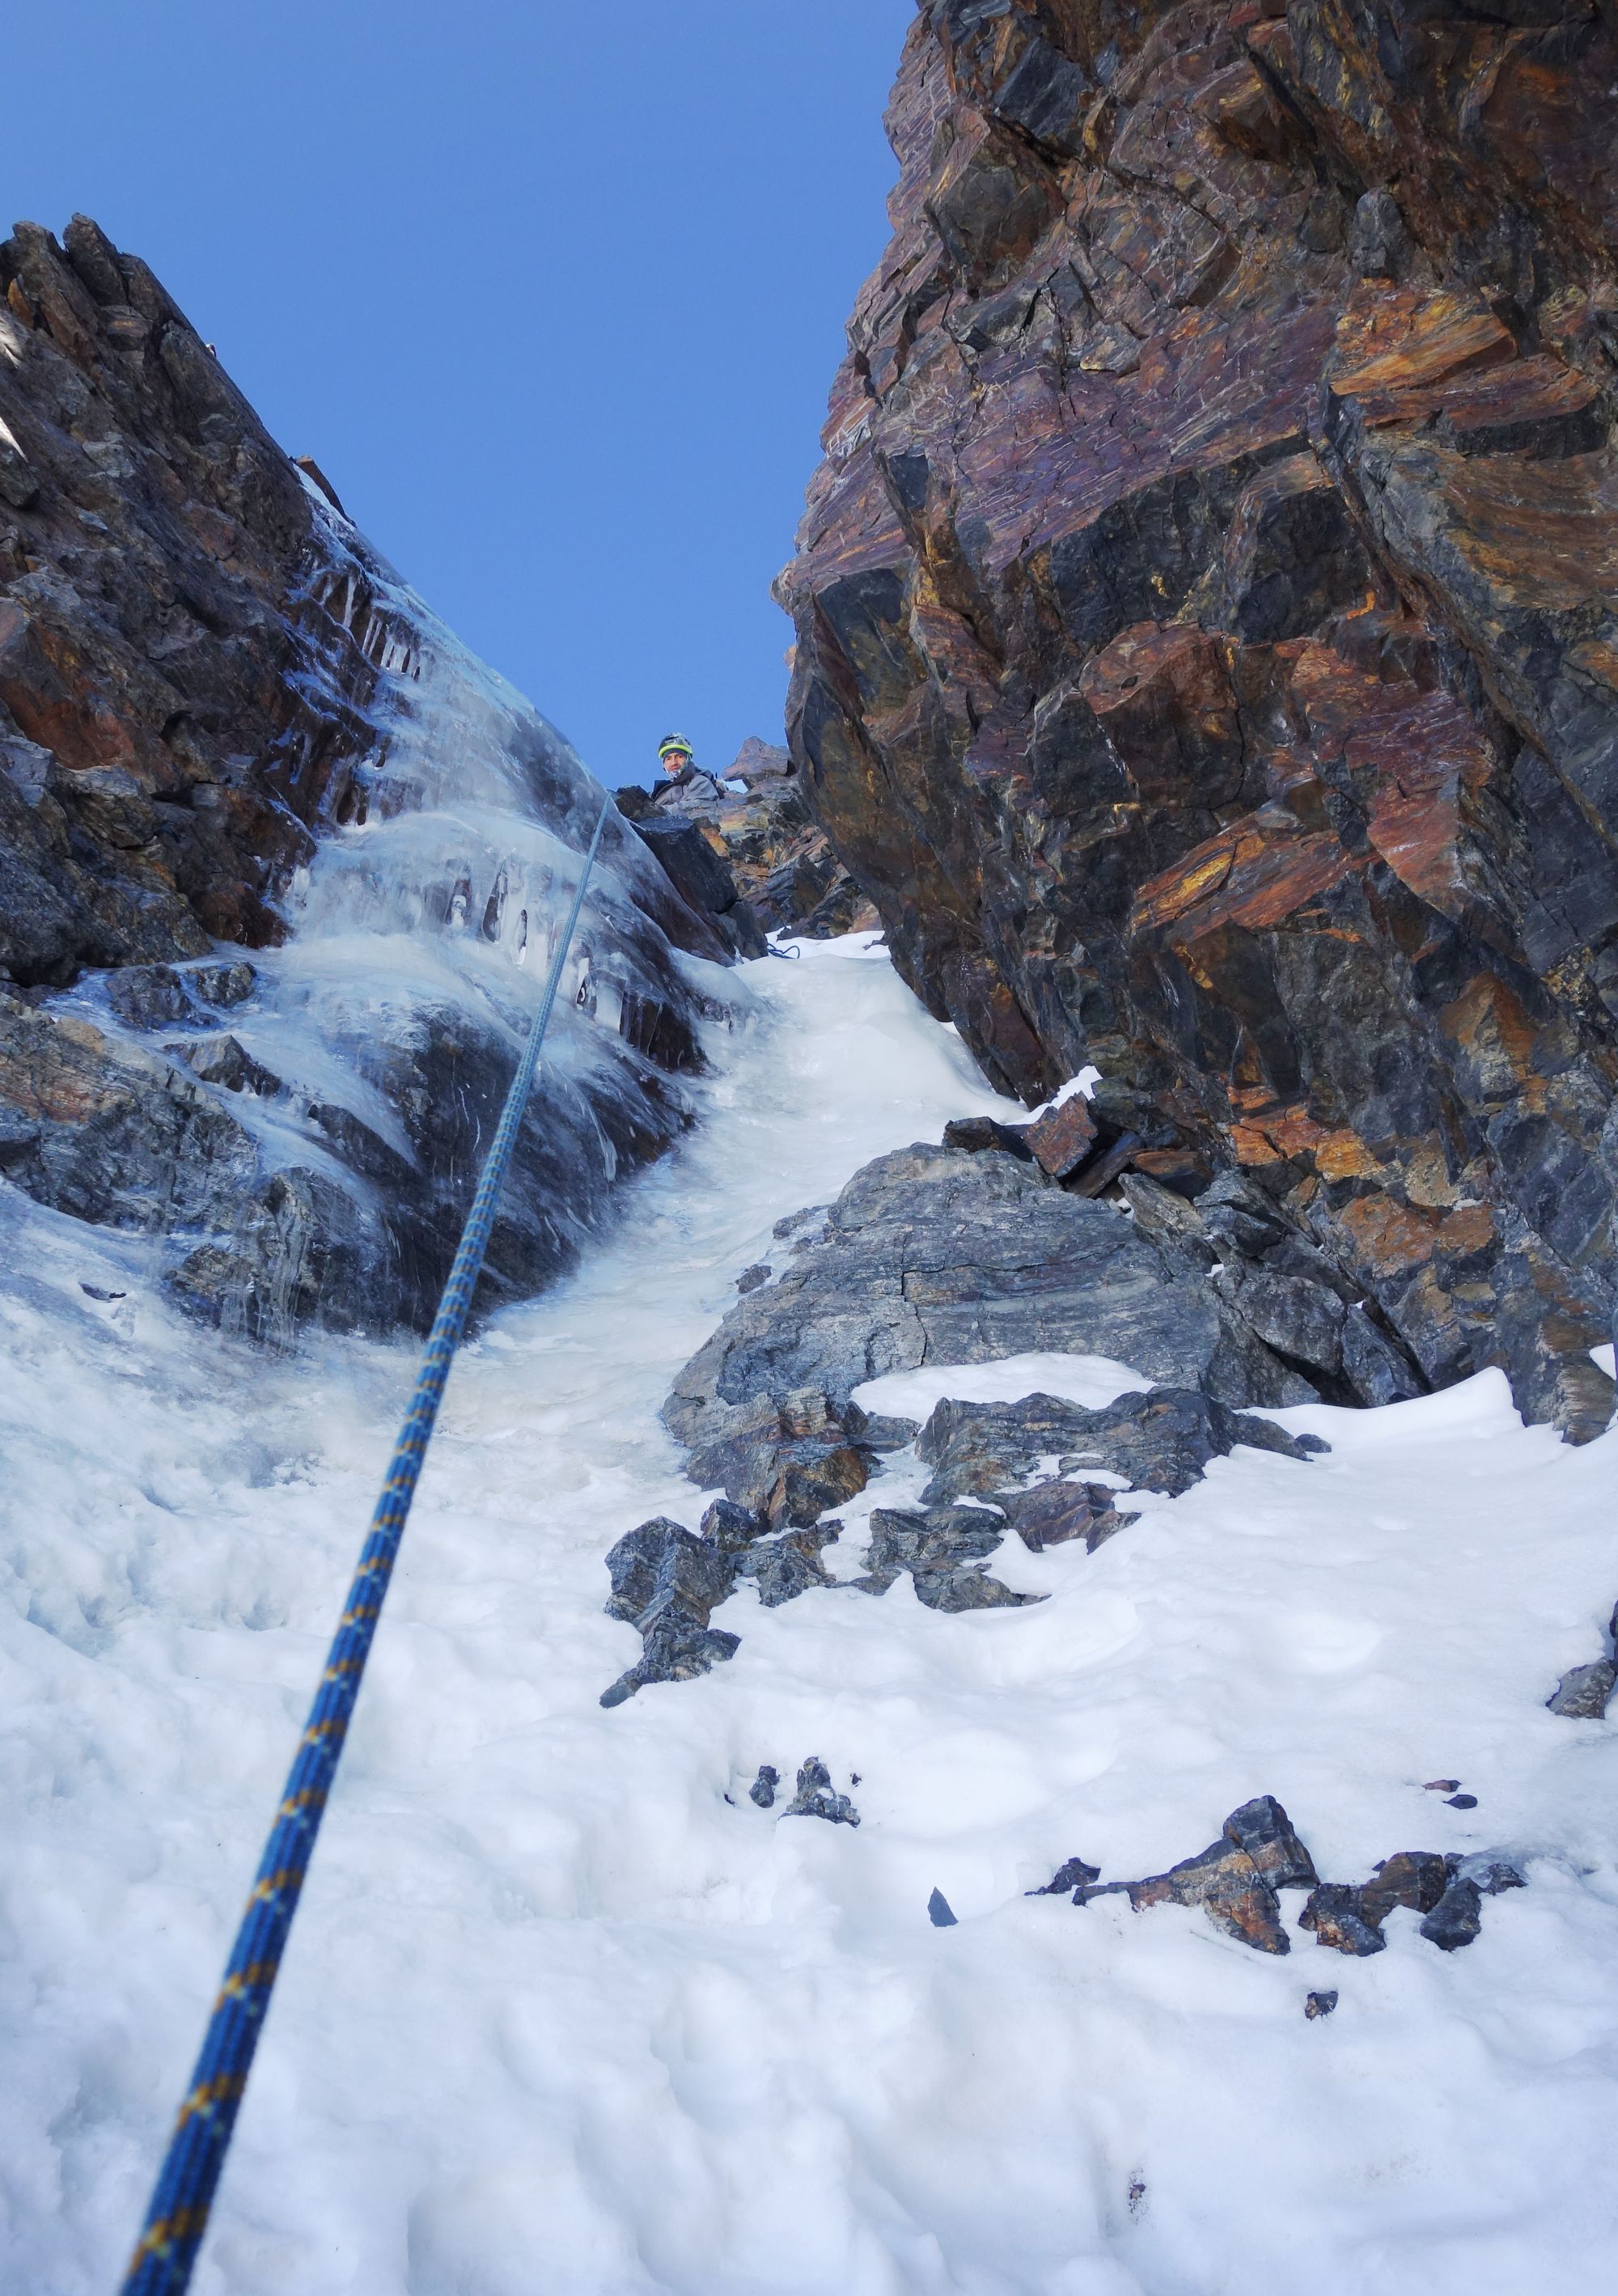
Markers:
<point>552,292</point>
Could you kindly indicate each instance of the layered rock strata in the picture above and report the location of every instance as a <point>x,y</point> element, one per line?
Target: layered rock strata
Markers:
<point>223,721</point>
<point>1207,618</point>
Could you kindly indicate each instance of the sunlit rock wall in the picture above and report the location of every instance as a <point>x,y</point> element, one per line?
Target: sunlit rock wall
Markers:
<point>1207,617</point>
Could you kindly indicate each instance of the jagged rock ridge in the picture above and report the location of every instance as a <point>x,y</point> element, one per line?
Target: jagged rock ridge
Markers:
<point>1207,618</point>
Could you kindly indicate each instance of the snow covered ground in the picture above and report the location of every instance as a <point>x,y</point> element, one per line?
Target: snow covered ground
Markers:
<point>558,2015</point>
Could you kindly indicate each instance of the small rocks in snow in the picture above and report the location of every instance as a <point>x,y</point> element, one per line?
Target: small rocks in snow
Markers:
<point>762,1790</point>
<point>1234,1880</point>
<point>816,1798</point>
<point>872,1430</point>
<point>1442,1785</point>
<point>1463,1801</point>
<point>1073,1873</point>
<point>940,1912</point>
<point>1319,2005</point>
<point>749,1279</point>
<point>95,1292</point>
<point>1446,1892</point>
<point>1584,1692</point>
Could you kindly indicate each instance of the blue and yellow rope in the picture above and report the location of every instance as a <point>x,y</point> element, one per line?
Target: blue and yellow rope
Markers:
<point>177,2219</point>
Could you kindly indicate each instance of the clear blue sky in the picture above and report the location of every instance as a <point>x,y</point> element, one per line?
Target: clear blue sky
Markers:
<point>553,292</point>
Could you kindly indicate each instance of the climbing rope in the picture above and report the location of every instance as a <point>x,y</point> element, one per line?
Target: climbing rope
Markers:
<point>177,2219</point>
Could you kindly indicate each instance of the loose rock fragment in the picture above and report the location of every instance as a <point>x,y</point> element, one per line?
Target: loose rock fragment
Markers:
<point>1456,1918</point>
<point>762,1790</point>
<point>1335,1915</point>
<point>940,1912</point>
<point>1073,1873</point>
<point>1319,2005</point>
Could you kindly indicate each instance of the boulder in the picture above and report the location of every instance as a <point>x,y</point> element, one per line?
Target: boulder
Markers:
<point>935,1255</point>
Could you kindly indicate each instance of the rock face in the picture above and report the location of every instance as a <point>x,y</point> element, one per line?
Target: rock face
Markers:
<point>1207,618</point>
<point>944,1256</point>
<point>226,726</point>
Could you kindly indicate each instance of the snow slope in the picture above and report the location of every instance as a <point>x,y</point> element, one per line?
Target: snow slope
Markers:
<point>560,2016</point>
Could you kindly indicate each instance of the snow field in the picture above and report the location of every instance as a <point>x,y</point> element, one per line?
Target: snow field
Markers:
<point>557,2015</point>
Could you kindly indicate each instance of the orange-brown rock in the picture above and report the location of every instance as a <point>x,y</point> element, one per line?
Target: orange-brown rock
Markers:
<point>1207,618</point>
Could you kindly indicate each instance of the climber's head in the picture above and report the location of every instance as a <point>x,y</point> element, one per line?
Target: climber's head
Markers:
<point>674,753</point>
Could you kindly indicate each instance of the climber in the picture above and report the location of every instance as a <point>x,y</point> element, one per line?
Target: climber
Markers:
<point>680,768</point>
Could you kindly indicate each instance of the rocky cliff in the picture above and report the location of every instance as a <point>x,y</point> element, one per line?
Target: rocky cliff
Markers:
<point>1207,620</point>
<point>279,861</point>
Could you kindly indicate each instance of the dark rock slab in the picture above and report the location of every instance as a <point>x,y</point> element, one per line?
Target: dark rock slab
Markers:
<point>1162,1441</point>
<point>1230,1889</point>
<point>876,1431</point>
<point>1415,1878</point>
<point>940,1912</point>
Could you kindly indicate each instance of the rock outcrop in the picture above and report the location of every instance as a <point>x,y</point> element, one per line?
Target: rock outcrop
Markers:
<point>779,863</point>
<point>226,726</point>
<point>1207,618</point>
